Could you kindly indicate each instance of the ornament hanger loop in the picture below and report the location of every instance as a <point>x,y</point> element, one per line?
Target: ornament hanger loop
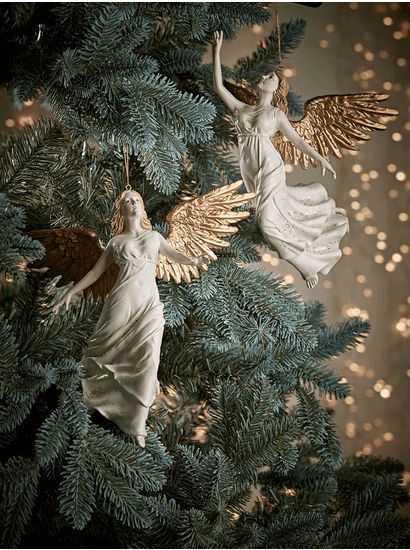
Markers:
<point>126,166</point>
<point>280,67</point>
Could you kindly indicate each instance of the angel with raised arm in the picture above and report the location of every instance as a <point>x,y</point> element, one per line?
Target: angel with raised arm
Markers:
<point>123,352</point>
<point>301,223</point>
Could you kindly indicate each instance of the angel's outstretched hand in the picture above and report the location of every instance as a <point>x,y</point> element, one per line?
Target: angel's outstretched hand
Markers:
<point>201,260</point>
<point>64,301</point>
<point>218,39</point>
<point>325,165</point>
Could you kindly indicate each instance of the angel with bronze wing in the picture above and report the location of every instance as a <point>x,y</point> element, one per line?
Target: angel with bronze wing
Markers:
<point>123,352</point>
<point>301,223</point>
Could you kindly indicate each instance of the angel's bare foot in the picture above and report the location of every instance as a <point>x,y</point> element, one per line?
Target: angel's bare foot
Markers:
<point>340,210</point>
<point>140,440</point>
<point>312,281</point>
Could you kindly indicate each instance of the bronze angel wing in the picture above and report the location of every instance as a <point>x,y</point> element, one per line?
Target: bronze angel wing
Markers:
<point>334,122</point>
<point>72,252</point>
<point>240,92</point>
<point>197,227</point>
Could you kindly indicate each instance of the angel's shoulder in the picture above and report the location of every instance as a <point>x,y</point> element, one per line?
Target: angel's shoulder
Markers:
<point>156,235</point>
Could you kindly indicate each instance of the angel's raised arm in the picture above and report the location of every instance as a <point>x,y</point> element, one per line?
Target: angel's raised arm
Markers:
<point>167,250</point>
<point>230,101</point>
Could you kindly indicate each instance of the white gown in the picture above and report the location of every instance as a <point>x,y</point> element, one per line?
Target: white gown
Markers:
<point>122,354</point>
<point>299,222</point>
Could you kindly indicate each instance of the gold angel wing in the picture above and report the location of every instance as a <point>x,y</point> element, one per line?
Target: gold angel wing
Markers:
<point>72,252</point>
<point>197,227</point>
<point>334,122</point>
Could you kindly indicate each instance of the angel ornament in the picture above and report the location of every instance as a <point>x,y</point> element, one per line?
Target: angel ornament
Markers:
<point>123,352</point>
<point>301,223</point>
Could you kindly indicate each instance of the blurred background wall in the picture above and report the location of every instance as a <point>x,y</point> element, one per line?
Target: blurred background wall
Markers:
<point>349,48</point>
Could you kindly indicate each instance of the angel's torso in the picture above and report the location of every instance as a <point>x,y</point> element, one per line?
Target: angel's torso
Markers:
<point>142,248</point>
<point>254,121</point>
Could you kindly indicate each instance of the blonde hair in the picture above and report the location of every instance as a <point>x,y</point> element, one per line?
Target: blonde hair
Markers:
<point>117,223</point>
<point>279,97</point>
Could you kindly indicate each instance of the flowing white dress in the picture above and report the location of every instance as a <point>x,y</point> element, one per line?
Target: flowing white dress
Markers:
<point>122,354</point>
<point>299,222</point>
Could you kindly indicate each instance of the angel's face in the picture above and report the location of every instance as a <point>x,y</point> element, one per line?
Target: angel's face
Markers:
<point>131,205</point>
<point>269,83</point>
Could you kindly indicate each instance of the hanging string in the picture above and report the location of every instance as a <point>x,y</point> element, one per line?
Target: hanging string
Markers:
<point>278,36</point>
<point>127,166</point>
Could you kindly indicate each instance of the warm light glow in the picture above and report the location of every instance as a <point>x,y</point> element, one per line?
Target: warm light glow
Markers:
<point>369,56</point>
<point>401,176</point>
<point>357,168</point>
<point>354,193</point>
<point>404,248</point>
<point>349,400</point>
<point>10,122</point>
<point>403,216</point>
<point>324,43</point>
<point>401,62</point>
<point>379,259</point>
<point>368,292</point>
<point>327,284</point>
<point>358,47</point>
<point>396,136</point>
<point>370,230</point>
<point>393,193</point>
<point>391,167</point>
<point>374,174</point>
<point>361,279</point>
<point>397,257</point>
<point>330,28</point>
<point>388,436</point>
<point>381,245</point>
<point>347,250</point>
<point>390,266</point>
<point>385,393</point>
<point>367,426</point>
<point>355,205</point>
<point>289,279</point>
<point>257,29</point>
<point>388,21</point>
<point>367,449</point>
<point>360,348</point>
<point>381,235</point>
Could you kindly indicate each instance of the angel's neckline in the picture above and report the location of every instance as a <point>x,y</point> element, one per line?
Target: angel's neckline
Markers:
<point>132,237</point>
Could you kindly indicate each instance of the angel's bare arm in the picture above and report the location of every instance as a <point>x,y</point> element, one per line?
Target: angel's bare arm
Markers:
<point>230,101</point>
<point>287,130</point>
<point>167,250</point>
<point>103,262</point>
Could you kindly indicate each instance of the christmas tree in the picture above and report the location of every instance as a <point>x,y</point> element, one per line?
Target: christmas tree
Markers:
<point>243,361</point>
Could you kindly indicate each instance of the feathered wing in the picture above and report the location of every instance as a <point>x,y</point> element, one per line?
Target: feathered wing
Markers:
<point>71,252</point>
<point>240,92</point>
<point>197,227</point>
<point>334,122</point>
